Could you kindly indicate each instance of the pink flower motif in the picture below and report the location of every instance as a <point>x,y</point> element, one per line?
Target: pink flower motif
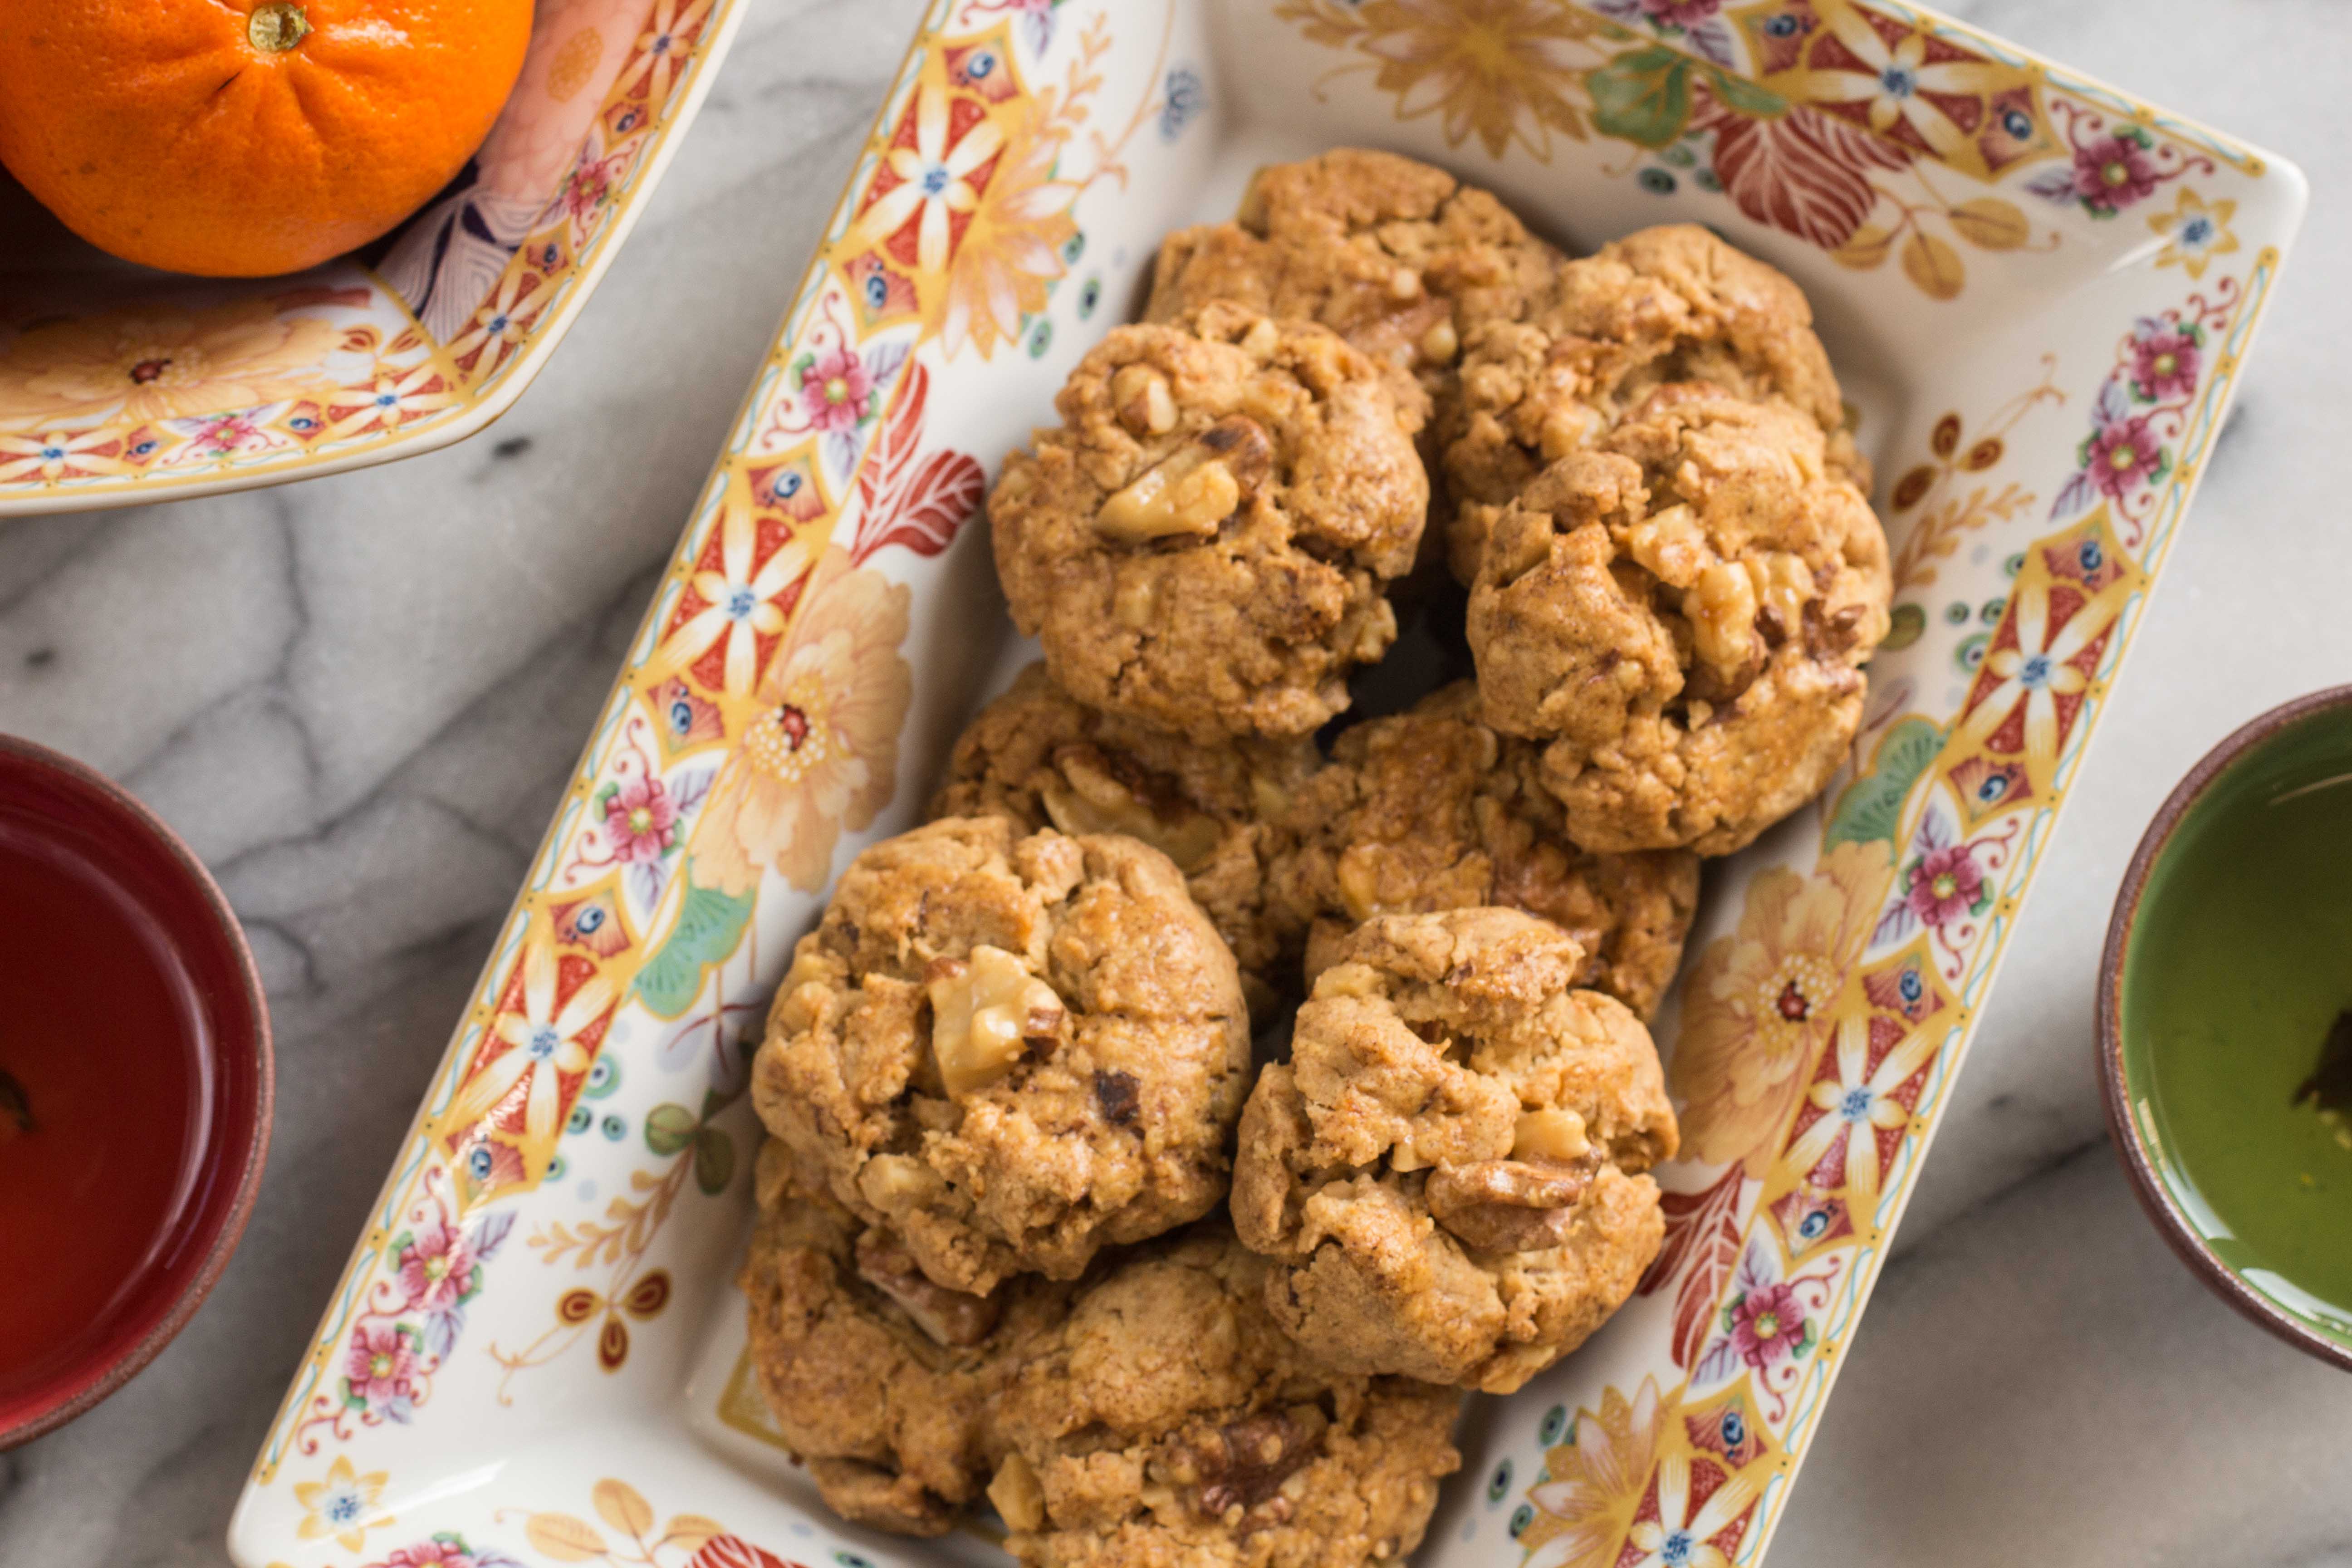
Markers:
<point>1945,885</point>
<point>436,1267</point>
<point>2164,364</point>
<point>1685,14</point>
<point>641,819</point>
<point>2124,455</point>
<point>837,389</point>
<point>2113,171</point>
<point>229,433</point>
<point>1767,1324</point>
<point>380,1363</point>
<point>430,1554</point>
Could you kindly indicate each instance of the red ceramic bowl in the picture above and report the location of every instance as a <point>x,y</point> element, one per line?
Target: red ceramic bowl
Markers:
<point>62,824</point>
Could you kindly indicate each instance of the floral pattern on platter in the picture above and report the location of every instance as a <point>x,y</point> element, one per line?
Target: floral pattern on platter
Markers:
<point>757,724</point>
<point>199,384</point>
<point>1820,117</point>
<point>683,1541</point>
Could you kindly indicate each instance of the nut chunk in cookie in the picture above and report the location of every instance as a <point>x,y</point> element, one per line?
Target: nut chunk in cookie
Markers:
<point>879,1379</point>
<point>1397,257</point>
<point>1046,760</point>
<point>1431,809</point>
<point>1166,1421</point>
<point>1010,1050</point>
<point>1681,617</point>
<point>1664,306</point>
<point>1206,541</point>
<point>1448,1172</point>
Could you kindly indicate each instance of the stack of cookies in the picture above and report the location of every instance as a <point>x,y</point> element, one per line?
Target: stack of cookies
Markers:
<point>1036,1226</point>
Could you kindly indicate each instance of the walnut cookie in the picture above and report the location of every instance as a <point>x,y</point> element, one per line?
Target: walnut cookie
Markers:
<point>1665,305</point>
<point>1682,616</point>
<point>1165,1423</point>
<point>1431,809</point>
<point>1206,541</point>
<point>1045,760</point>
<point>1398,258</point>
<point>1449,1171</point>
<point>1010,1050</point>
<point>879,1380</point>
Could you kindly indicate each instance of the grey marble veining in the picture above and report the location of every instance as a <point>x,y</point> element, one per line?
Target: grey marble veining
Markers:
<point>360,698</point>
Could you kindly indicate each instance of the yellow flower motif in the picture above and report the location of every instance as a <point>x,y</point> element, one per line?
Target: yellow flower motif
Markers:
<point>823,755</point>
<point>1756,1007</point>
<point>1593,1483</point>
<point>1499,69</point>
<point>2194,232</point>
<point>1012,252</point>
<point>159,361</point>
<point>343,1506</point>
<point>1681,1536</point>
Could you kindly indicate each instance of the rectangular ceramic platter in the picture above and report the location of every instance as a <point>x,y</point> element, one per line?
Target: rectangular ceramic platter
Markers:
<point>119,385</point>
<point>2038,294</point>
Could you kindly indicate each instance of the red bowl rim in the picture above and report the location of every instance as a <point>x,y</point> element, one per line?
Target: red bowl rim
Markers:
<point>104,1378</point>
<point>2147,1182</point>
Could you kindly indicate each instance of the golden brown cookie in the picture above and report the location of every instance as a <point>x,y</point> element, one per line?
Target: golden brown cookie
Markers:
<point>1010,1050</point>
<point>1665,305</point>
<point>1681,616</point>
<point>1219,811</point>
<point>1398,258</point>
<point>879,1380</point>
<point>1165,1423</point>
<point>1431,809</point>
<point>1449,1169</point>
<point>1205,542</point>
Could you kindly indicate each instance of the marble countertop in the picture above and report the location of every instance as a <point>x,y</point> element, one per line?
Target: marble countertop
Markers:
<point>360,698</point>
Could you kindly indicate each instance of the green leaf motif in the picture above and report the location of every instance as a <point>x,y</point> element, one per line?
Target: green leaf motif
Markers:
<point>1643,97</point>
<point>669,1129</point>
<point>709,924</point>
<point>714,1160</point>
<point>1741,96</point>
<point>1872,807</point>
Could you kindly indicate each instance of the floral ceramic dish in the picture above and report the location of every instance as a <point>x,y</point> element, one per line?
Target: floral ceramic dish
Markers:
<point>2039,293</point>
<point>119,385</point>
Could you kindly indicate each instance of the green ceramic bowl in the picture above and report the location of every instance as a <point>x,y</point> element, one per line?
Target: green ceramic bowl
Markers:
<point>2228,967</point>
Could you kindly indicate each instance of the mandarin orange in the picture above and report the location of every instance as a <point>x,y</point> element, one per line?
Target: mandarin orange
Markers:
<point>246,138</point>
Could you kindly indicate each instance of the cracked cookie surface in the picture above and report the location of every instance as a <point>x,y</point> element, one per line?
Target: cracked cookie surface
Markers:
<point>1206,540</point>
<point>1431,809</point>
<point>1165,1423</point>
<point>1010,1050</point>
<point>881,1380</point>
<point>1449,1172</point>
<point>1681,616</point>
<point>1399,257</point>
<point>1219,811</point>
<point>1668,305</point>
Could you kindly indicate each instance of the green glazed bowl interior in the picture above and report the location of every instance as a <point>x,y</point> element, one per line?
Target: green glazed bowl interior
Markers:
<point>2228,962</point>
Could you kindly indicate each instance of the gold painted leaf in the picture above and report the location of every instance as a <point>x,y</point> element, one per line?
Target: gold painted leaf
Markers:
<point>691,1529</point>
<point>563,1538</point>
<point>1990,223</point>
<point>1934,266</point>
<point>618,1505</point>
<point>1864,249</point>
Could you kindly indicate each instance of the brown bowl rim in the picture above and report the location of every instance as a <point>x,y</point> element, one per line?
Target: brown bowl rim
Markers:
<point>2147,1183</point>
<point>112,1375</point>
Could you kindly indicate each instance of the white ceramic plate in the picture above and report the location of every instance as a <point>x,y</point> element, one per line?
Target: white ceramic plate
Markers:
<point>2039,294</point>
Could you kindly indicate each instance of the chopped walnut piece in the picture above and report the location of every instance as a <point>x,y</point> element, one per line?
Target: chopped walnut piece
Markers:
<point>1507,1206</point>
<point>986,1013</point>
<point>1243,1464</point>
<point>1195,487</point>
<point>1019,1499</point>
<point>950,1317</point>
